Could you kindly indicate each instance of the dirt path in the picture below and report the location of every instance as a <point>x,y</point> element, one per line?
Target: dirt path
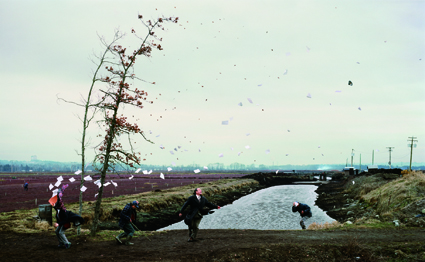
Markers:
<point>226,245</point>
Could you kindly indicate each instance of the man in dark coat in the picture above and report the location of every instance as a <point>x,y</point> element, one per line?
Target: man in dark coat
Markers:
<point>304,211</point>
<point>197,203</point>
<point>128,215</point>
<point>26,186</point>
<point>64,219</point>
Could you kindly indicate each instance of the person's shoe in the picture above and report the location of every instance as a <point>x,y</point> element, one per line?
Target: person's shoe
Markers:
<point>118,240</point>
<point>128,243</point>
<point>190,240</point>
<point>67,245</point>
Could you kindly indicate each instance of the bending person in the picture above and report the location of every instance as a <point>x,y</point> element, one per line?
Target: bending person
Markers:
<point>64,219</point>
<point>128,215</point>
<point>304,211</point>
<point>193,218</point>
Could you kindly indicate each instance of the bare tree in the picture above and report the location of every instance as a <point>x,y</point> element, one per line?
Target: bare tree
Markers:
<point>118,92</point>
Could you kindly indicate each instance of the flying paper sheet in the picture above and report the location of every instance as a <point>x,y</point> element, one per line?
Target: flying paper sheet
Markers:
<point>162,147</point>
<point>87,178</point>
<point>162,176</point>
<point>95,195</point>
<point>145,172</point>
<point>220,155</point>
<point>97,183</point>
<point>267,151</point>
<point>360,108</point>
<point>196,171</point>
<point>309,95</point>
<point>60,178</point>
<point>131,177</point>
<point>240,104</point>
<point>277,171</point>
<point>353,182</point>
<point>239,153</point>
<point>173,163</point>
<point>199,150</point>
<point>138,170</point>
<point>51,186</point>
<point>150,172</point>
<point>106,184</point>
<point>286,72</point>
<point>157,135</point>
<point>72,179</point>
<point>54,192</point>
<point>113,183</point>
<point>57,183</point>
<point>249,100</point>
<point>247,134</point>
<point>169,169</point>
<point>205,167</point>
<point>83,189</point>
<point>226,122</point>
<point>78,172</point>
<point>247,147</point>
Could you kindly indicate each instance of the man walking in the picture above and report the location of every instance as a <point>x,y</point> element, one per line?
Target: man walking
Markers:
<point>127,217</point>
<point>304,211</point>
<point>193,218</point>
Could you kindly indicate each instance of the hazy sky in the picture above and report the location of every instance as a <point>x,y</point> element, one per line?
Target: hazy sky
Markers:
<point>292,59</point>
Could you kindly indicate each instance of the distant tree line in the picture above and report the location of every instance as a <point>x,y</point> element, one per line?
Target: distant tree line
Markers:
<point>70,167</point>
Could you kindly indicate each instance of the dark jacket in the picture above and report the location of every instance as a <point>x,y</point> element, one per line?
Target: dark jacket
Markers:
<point>126,214</point>
<point>302,207</point>
<point>196,207</point>
<point>64,217</point>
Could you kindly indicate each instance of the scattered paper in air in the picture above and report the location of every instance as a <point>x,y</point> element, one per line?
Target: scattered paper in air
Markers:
<point>78,172</point>
<point>240,104</point>
<point>247,134</point>
<point>239,153</point>
<point>150,172</point>
<point>249,100</point>
<point>157,135</point>
<point>87,178</point>
<point>60,178</point>
<point>138,170</point>
<point>220,155</point>
<point>83,189</point>
<point>97,182</point>
<point>353,182</point>
<point>171,152</point>
<point>162,176</point>
<point>95,195</point>
<point>286,72</point>
<point>106,184</point>
<point>247,147</point>
<point>267,151</point>
<point>131,177</point>
<point>226,122</point>
<point>113,183</point>
<point>205,167</point>
<point>309,95</point>
<point>196,171</point>
<point>145,172</point>
<point>360,108</point>
<point>277,171</point>
<point>57,184</point>
<point>72,179</point>
<point>162,147</point>
<point>173,163</point>
<point>51,186</point>
<point>169,169</point>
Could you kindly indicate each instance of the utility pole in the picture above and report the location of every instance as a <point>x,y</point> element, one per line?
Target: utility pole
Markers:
<point>352,155</point>
<point>373,155</point>
<point>390,149</point>
<point>360,167</point>
<point>346,162</point>
<point>412,139</point>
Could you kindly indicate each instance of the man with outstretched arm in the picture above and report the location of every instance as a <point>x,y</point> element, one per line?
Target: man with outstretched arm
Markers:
<point>304,211</point>
<point>193,218</point>
<point>127,217</point>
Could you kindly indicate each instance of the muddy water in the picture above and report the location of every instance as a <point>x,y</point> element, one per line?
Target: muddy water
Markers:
<point>269,208</point>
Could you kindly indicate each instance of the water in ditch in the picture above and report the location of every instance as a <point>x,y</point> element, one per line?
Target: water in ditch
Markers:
<point>266,209</point>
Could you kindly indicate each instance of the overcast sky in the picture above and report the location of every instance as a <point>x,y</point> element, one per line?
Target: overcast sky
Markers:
<point>292,59</point>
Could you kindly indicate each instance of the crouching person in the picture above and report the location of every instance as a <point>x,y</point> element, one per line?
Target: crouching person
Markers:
<point>64,219</point>
<point>304,211</point>
<point>128,215</point>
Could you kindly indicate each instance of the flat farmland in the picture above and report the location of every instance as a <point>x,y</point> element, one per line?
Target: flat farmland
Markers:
<point>13,196</point>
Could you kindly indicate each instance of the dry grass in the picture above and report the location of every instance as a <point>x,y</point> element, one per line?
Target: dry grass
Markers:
<point>397,194</point>
<point>326,225</point>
